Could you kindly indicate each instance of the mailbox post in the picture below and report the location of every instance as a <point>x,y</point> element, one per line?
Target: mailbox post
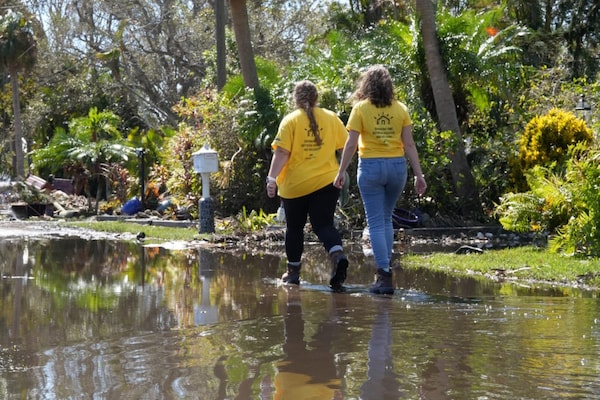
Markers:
<point>205,163</point>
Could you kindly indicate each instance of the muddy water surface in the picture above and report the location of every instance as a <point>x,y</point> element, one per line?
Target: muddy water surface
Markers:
<point>109,319</point>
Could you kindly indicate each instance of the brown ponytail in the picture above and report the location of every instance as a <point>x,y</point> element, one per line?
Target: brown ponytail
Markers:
<point>305,97</point>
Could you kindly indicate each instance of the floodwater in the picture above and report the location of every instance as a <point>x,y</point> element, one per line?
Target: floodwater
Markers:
<point>109,319</point>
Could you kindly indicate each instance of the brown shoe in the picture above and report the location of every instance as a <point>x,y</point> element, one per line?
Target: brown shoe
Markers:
<point>383,283</point>
<point>338,273</point>
<point>292,275</point>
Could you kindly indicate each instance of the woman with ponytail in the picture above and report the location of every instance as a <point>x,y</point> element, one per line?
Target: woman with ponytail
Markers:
<point>302,172</point>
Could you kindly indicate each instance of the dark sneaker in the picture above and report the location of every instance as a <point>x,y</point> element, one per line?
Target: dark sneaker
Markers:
<point>383,284</point>
<point>292,275</point>
<point>338,274</point>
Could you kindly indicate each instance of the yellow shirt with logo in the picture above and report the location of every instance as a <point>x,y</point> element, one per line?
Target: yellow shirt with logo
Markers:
<point>380,129</point>
<point>310,166</point>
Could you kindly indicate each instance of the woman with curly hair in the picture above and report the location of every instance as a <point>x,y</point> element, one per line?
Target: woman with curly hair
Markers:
<point>380,128</point>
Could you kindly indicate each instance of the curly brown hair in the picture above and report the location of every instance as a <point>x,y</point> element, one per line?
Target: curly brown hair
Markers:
<point>376,85</point>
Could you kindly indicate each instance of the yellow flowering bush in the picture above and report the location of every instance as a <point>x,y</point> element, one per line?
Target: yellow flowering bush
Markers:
<point>547,138</point>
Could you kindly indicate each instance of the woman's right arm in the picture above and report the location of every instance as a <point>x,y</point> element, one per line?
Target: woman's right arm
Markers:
<point>280,157</point>
<point>347,154</point>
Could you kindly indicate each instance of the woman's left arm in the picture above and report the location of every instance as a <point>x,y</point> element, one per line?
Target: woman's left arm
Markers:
<point>410,150</point>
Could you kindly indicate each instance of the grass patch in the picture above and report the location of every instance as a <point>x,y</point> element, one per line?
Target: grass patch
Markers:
<point>165,233</point>
<point>522,263</point>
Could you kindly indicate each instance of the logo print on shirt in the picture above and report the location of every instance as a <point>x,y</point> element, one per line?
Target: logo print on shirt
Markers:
<point>383,127</point>
<point>310,145</point>
<point>383,119</point>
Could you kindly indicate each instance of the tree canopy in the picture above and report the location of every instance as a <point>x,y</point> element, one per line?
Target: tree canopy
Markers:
<point>155,64</point>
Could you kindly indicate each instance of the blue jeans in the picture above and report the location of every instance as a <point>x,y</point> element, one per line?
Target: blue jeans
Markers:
<point>381,182</point>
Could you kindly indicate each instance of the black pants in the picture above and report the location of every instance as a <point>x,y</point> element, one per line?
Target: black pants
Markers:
<point>320,207</point>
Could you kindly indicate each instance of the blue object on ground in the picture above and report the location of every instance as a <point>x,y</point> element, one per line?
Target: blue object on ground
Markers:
<point>132,207</point>
<point>163,205</point>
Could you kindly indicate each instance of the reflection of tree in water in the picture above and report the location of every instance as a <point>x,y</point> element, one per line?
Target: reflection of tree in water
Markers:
<point>78,282</point>
<point>198,282</point>
<point>442,375</point>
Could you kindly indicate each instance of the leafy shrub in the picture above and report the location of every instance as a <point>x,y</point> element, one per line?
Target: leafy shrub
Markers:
<point>213,118</point>
<point>259,120</point>
<point>544,208</point>
<point>565,204</point>
<point>183,184</point>
<point>547,138</point>
<point>28,194</point>
<point>581,234</point>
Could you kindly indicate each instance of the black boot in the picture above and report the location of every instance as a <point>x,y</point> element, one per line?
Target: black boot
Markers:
<point>292,275</point>
<point>383,284</point>
<point>338,273</point>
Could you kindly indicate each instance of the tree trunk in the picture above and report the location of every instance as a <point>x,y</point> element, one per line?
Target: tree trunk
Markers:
<point>462,177</point>
<point>220,38</point>
<point>19,156</point>
<point>241,28</point>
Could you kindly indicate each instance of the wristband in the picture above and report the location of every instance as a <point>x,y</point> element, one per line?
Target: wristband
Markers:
<point>270,179</point>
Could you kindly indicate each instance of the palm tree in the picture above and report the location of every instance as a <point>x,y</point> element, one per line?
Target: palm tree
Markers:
<point>462,177</point>
<point>219,6</point>
<point>17,52</point>
<point>92,143</point>
<point>241,28</point>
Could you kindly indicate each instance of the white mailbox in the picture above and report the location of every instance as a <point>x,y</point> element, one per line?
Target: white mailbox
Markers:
<point>205,160</point>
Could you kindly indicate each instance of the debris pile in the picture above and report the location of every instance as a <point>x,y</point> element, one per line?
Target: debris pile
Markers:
<point>35,197</point>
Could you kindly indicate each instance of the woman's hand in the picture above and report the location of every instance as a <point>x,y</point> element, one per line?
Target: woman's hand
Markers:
<point>271,187</point>
<point>339,180</point>
<point>420,185</point>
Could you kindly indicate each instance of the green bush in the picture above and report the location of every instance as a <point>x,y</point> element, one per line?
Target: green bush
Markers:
<point>253,220</point>
<point>547,138</point>
<point>214,119</point>
<point>581,234</point>
<point>565,204</point>
<point>544,208</point>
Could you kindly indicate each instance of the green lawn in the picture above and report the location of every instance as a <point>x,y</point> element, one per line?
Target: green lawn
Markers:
<point>151,231</point>
<point>522,263</point>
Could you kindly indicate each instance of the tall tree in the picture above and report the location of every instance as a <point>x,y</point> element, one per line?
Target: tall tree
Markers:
<point>241,29</point>
<point>220,38</point>
<point>17,53</point>
<point>561,24</point>
<point>462,177</point>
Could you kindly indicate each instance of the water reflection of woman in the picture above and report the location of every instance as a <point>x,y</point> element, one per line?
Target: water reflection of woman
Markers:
<point>382,382</point>
<point>308,370</point>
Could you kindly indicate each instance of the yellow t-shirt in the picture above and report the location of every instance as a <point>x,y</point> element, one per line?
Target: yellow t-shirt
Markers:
<point>380,129</point>
<point>310,166</point>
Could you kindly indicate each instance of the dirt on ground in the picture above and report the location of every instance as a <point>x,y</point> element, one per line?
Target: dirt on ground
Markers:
<point>10,227</point>
<point>458,239</point>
